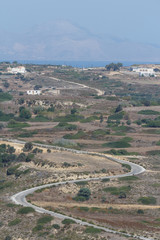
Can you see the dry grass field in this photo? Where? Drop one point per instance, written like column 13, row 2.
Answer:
column 116, row 113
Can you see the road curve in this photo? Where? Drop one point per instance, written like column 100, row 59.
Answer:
column 20, row 198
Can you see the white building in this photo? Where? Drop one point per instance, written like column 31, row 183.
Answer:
column 145, row 72
column 33, row 92
column 19, row 69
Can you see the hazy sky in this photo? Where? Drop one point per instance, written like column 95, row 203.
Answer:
column 136, row 20
column 123, row 21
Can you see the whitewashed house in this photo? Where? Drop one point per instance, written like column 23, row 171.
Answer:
column 144, row 72
column 33, row 92
column 19, row 69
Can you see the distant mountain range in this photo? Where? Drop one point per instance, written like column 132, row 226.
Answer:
column 63, row 40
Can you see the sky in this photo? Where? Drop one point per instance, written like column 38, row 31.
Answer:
column 122, row 20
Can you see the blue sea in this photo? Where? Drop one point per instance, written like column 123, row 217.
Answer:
column 79, row 64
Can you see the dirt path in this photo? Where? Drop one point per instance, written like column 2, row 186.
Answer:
column 99, row 92
column 104, row 205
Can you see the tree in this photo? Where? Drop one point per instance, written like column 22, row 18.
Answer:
column 37, row 87
column 101, row 118
column 113, row 66
column 128, row 122
column 85, row 193
column 11, row 149
column 73, row 110
column 146, row 102
column 21, row 101
column 119, row 108
column 21, row 157
column 25, row 114
column 28, row 147
column 6, row 84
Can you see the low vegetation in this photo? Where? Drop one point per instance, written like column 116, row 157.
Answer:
column 147, row 200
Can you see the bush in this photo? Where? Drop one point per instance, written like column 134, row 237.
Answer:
column 37, row 228
column 129, row 178
column 12, row 170
column 66, row 126
column 116, row 116
column 14, row 124
column 69, row 118
column 8, row 238
column 153, row 152
column 116, row 190
column 56, row 226
column 5, row 97
column 153, row 123
column 92, row 230
column 25, row 210
column 140, row 211
column 85, row 209
column 83, row 194
column 120, row 152
column 44, row 220
column 79, row 134
column 147, row 200
column 68, row 221
column 105, row 180
column 122, row 143
column 14, row 222
column 65, row 143
column 148, row 112
column 28, row 147
column 25, row 114
column 89, row 119
column 126, row 166
column 6, row 117
column 81, row 183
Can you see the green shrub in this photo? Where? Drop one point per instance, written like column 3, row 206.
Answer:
column 8, row 238
column 148, row 112
column 25, row 210
column 68, row 221
column 140, row 211
column 66, row 126
column 153, row 152
column 126, row 166
column 129, row 178
column 4, row 185
column 105, row 180
column 37, row 228
column 83, row 195
column 89, row 119
column 56, row 226
column 153, row 123
column 81, row 183
column 14, row 222
column 79, row 134
column 27, row 134
column 85, row 209
column 92, row 230
column 116, row 116
column 40, row 119
column 14, row 124
column 100, row 133
column 116, row 190
column 120, row 152
column 69, row 118
column 147, row 200
column 6, row 117
column 5, row 97
column 122, row 143
column 44, row 220
column 12, row 170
